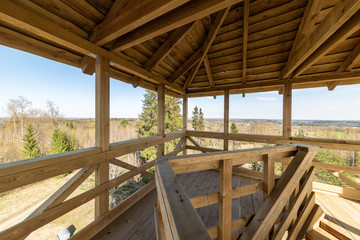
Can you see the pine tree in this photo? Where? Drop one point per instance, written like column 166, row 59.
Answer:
column 233, row 128
column 195, row 118
column 61, row 142
column 147, row 125
column 30, row 146
column 201, row 126
column 198, row 121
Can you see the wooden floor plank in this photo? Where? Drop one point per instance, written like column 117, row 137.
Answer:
column 138, row 221
column 342, row 212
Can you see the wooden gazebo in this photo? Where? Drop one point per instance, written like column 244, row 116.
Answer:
column 193, row 48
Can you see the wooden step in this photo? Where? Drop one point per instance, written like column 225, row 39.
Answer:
column 319, row 234
column 335, row 229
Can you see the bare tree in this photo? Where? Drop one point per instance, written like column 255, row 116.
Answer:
column 18, row 109
column 54, row 112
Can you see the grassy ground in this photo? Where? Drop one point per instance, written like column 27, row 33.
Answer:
column 26, row 199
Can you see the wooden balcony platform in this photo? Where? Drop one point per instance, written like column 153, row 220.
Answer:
column 342, row 216
column 138, row 221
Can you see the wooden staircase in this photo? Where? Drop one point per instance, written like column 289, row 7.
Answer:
column 327, row 230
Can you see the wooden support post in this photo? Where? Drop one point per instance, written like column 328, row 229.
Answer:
column 161, row 118
column 225, row 199
column 102, row 138
column 226, row 118
column 269, row 174
column 287, row 110
column 185, row 117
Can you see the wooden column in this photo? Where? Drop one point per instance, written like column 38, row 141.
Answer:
column 102, row 66
column 287, row 110
column 269, row 174
column 185, row 117
column 225, row 199
column 226, row 118
column 161, row 118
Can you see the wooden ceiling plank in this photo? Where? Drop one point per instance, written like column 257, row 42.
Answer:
column 340, row 13
column 176, row 36
column 245, row 40
column 348, row 29
column 208, row 71
column 193, row 10
column 30, row 21
column 350, row 61
column 132, row 15
column 215, row 27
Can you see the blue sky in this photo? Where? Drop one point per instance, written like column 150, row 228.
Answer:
column 39, row 80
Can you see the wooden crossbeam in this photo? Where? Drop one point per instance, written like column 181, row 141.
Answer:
column 128, row 166
column 340, row 13
column 41, row 26
column 131, row 16
column 323, row 78
column 215, row 27
column 63, row 192
column 346, row 179
column 189, row 12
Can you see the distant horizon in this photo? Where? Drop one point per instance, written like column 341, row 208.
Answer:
column 217, row 119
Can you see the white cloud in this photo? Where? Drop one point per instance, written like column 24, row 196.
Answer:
column 266, row 98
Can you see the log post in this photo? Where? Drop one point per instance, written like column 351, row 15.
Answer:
column 225, row 199
column 287, row 110
column 185, row 118
column 226, row 118
column 161, row 118
column 102, row 132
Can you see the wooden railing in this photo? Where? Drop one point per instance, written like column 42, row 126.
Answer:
column 21, row 173
column 337, row 170
column 273, row 218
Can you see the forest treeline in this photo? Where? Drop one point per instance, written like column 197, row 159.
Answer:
column 30, row 132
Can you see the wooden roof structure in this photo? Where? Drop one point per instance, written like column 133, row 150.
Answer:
column 197, row 47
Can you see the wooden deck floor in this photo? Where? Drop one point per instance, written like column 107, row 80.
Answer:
column 343, row 214
column 138, row 221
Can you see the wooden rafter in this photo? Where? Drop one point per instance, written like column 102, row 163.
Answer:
column 41, row 26
column 245, row 39
column 215, row 27
column 307, row 45
column 175, row 37
column 348, row 29
column 130, row 16
column 180, row 16
column 353, row 58
column 188, row 64
column 208, row 71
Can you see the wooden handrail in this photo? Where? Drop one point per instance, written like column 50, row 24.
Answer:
column 340, row 144
column 21, row 173
column 180, row 218
column 272, row 207
column 22, row 229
